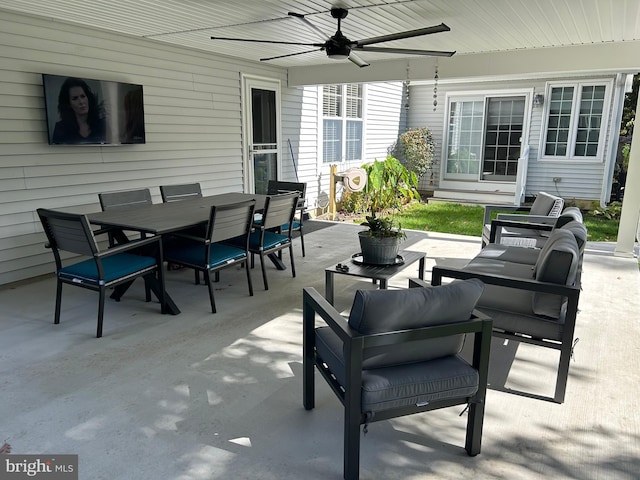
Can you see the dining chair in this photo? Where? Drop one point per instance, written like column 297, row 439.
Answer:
column 265, row 239
column 276, row 187
column 208, row 254
column 120, row 200
column 102, row 269
column 175, row 193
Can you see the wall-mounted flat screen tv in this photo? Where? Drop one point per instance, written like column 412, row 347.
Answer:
column 82, row 111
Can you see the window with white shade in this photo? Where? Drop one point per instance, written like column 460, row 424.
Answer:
column 575, row 121
column 342, row 119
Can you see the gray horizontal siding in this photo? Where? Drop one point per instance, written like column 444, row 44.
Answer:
column 192, row 117
column 581, row 180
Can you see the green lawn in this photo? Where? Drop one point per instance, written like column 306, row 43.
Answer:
column 467, row 220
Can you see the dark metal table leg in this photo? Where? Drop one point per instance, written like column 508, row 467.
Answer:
column 328, row 286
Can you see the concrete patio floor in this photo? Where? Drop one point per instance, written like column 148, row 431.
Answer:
column 202, row 396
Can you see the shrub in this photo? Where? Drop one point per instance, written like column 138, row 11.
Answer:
column 415, row 149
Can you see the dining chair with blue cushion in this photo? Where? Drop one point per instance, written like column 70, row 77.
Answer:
column 177, row 193
column 265, row 239
column 208, row 254
column 100, row 270
column 277, row 187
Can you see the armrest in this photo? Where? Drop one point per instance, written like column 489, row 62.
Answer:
column 312, row 303
column 496, row 227
column 489, row 209
column 570, row 291
column 528, row 218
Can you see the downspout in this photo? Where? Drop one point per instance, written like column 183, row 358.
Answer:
column 628, row 228
column 623, row 84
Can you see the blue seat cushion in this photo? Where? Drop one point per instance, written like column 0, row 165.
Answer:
column 194, row 254
column 114, row 267
column 401, row 385
column 271, row 240
column 296, row 225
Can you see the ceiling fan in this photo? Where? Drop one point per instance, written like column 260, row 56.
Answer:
column 339, row 47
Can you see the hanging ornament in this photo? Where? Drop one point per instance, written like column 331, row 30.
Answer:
column 406, row 89
column 435, row 89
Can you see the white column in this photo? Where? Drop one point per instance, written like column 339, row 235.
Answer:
column 631, row 201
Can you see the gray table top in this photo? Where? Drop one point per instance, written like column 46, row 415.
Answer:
column 377, row 272
column 161, row 218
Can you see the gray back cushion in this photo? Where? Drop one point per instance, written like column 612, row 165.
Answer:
column 569, row 214
column 557, row 263
column 379, row 311
column 579, row 231
column 546, row 204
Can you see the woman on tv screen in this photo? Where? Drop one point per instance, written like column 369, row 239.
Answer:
column 82, row 117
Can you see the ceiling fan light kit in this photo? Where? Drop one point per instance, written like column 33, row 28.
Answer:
column 339, row 47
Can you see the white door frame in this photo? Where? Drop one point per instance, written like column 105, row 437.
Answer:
column 248, row 82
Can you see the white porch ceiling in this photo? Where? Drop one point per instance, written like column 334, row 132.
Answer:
column 492, row 38
column 477, row 27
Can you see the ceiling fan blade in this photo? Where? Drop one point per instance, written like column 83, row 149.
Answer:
column 399, row 36
column 289, row 55
column 301, row 17
column 357, row 60
column 406, row 51
column 267, row 41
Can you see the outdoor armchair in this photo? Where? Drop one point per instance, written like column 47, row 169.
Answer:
column 534, row 235
column 101, row 270
column 544, row 210
column 209, row 254
column 397, row 354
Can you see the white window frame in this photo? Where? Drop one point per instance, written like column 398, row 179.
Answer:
column 344, row 119
column 481, row 95
column 573, row 125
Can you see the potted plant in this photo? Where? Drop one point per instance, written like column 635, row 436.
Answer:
column 389, row 184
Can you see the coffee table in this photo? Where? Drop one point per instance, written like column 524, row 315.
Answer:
column 377, row 273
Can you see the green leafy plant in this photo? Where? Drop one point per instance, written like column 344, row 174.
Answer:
column 383, row 227
column 626, row 151
column 389, row 186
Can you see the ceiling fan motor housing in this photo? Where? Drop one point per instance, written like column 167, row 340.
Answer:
column 338, row 47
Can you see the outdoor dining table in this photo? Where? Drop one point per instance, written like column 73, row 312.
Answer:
column 166, row 218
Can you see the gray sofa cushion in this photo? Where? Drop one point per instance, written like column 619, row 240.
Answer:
column 401, row 385
column 508, row 253
column 569, row 214
column 417, row 383
column 546, row 204
column 377, row 311
column 579, row 232
column 558, row 262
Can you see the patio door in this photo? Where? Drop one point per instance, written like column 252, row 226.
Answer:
column 261, row 102
column 484, row 138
